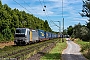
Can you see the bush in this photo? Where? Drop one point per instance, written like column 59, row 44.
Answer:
column 85, row 48
column 7, row 33
column 1, row 37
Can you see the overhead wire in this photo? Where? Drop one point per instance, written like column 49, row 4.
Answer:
column 21, row 5
column 36, row 12
column 24, row 7
column 48, row 16
column 30, row 6
column 62, row 8
column 44, row 2
column 41, row 3
column 46, row 11
column 43, row 8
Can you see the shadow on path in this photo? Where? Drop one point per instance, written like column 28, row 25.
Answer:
column 72, row 57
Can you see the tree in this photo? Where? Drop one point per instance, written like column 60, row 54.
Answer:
column 84, row 33
column 76, row 31
column 81, row 31
column 88, row 25
column 0, row 4
column 46, row 26
column 65, row 32
column 86, row 9
column 70, row 30
column 7, row 33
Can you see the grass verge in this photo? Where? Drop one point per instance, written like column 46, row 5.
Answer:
column 85, row 48
column 55, row 53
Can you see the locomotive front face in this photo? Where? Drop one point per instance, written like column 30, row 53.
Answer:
column 20, row 36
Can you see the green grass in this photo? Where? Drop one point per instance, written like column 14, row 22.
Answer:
column 85, row 48
column 10, row 49
column 55, row 53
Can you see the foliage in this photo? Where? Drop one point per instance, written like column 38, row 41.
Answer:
column 76, row 31
column 84, row 33
column 86, row 9
column 79, row 31
column 7, row 33
column 12, row 19
column 46, row 25
column 70, row 30
column 85, row 48
column 64, row 32
column 88, row 24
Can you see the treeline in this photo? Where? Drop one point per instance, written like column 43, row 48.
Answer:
column 79, row 31
column 10, row 19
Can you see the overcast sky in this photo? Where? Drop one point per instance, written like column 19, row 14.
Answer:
column 53, row 10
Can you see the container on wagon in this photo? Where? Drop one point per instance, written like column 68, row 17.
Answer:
column 41, row 35
column 46, row 35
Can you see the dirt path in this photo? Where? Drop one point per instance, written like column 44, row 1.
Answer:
column 2, row 45
column 72, row 52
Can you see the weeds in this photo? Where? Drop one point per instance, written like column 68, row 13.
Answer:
column 85, row 48
column 55, row 53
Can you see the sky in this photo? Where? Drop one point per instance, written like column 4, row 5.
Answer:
column 53, row 11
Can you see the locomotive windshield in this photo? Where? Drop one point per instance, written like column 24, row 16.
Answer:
column 20, row 30
column 19, row 35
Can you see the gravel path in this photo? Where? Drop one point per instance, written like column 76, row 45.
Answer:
column 72, row 52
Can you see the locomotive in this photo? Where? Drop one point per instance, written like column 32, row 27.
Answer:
column 27, row 36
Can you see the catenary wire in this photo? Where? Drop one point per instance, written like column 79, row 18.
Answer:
column 21, row 5
column 48, row 16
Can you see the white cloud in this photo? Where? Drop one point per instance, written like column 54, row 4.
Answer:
column 81, row 19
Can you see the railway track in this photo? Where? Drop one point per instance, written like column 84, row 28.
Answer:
column 26, row 51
